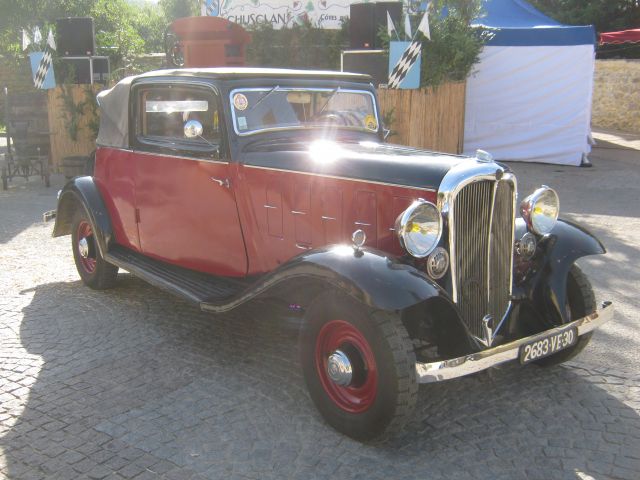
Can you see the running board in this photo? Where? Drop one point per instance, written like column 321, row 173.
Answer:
column 196, row 287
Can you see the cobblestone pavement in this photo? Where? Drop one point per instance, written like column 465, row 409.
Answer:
column 134, row 383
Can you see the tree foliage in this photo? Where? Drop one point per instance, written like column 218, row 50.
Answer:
column 606, row 15
column 122, row 27
column 179, row 8
column 455, row 46
column 301, row 46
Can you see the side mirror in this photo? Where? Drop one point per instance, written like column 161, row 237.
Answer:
column 193, row 129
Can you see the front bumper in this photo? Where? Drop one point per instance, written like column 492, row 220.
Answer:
column 476, row 362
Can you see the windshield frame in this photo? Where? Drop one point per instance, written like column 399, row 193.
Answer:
column 301, row 127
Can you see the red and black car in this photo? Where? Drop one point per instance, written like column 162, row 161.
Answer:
column 229, row 185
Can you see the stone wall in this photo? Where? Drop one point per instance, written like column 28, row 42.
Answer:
column 616, row 95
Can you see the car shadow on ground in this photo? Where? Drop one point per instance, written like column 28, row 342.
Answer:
column 134, row 380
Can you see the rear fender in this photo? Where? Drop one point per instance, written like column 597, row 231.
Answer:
column 82, row 192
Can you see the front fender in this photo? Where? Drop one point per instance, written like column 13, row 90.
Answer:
column 559, row 250
column 370, row 276
column 373, row 278
column 82, row 192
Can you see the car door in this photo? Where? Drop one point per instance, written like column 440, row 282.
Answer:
column 186, row 206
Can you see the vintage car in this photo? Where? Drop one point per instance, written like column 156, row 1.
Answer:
column 224, row 186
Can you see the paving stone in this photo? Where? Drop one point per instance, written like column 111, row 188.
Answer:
column 134, row 383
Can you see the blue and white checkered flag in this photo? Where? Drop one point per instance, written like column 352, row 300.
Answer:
column 42, row 69
column 408, row 58
column 211, row 8
column 411, row 54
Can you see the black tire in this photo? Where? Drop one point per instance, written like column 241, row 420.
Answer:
column 581, row 301
column 388, row 408
column 94, row 271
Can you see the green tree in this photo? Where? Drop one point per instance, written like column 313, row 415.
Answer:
column 122, row 27
column 301, row 46
column 179, row 8
column 455, row 46
column 606, row 15
column 150, row 22
column 114, row 25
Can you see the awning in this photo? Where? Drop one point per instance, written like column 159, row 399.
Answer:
column 625, row 36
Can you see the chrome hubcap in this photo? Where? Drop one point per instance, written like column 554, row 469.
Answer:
column 83, row 248
column 339, row 368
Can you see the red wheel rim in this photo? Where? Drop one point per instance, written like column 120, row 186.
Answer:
column 340, row 335
column 85, row 246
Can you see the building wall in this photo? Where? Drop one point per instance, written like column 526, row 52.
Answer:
column 616, row 95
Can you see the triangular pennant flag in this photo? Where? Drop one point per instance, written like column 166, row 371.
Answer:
column 390, row 26
column 26, row 41
column 50, row 41
column 37, row 36
column 407, row 27
column 424, row 23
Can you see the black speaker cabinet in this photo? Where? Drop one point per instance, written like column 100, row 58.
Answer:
column 82, row 70
column 371, row 62
column 366, row 19
column 76, row 36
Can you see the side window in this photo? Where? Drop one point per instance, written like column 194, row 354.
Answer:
column 163, row 111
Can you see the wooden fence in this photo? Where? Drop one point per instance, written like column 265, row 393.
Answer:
column 60, row 120
column 432, row 119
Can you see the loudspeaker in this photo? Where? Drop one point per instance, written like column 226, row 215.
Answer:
column 76, row 36
column 366, row 19
column 370, row 62
column 83, row 70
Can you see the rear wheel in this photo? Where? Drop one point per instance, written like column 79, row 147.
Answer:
column 581, row 301
column 94, row 271
column 359, row 367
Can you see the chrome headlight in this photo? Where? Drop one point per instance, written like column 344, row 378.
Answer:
column 419, row 228
column 540, row 210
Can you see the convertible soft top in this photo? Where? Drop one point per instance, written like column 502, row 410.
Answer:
column 114, row 103
column 114, row 115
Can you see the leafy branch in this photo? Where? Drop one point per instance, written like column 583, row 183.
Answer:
column 73, row 112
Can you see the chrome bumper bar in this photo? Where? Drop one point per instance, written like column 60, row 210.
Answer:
column 476, row 362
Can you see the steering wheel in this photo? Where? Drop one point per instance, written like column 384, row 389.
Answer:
column 331, row 117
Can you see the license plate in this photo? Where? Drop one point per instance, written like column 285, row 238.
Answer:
column 548, row 345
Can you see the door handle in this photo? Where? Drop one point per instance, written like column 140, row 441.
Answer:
column 222, row 183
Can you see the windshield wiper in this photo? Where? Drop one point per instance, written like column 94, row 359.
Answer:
column 331, row 95
column 274, row 89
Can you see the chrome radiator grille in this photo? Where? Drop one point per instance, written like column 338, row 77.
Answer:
column 482, row 240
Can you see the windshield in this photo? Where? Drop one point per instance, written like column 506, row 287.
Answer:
column 269, row 108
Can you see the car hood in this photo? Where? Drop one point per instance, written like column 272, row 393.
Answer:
column 372, row 161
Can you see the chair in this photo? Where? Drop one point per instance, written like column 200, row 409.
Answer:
column 26, row 154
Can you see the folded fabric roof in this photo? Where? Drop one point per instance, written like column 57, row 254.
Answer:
column 517, row 23
column 624, row 36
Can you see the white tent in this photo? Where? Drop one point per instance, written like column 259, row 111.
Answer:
column 530, row 96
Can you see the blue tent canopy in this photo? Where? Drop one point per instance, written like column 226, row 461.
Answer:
column 517, row 23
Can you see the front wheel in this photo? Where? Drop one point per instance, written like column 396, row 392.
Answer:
column 359, row 367
column 581, row 301
column 94, row 271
